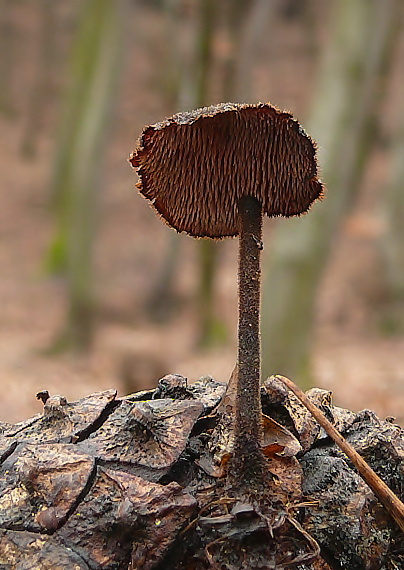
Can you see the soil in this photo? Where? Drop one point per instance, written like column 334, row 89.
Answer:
column 351, row 357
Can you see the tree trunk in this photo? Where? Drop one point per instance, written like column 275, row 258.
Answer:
column 39, row 91
column 95, row 66
column 342, row 123
column 257, row 22
column 392, row 242
column 162, row 301
column 7, row 60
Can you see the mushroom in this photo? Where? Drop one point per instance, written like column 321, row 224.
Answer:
column 213, row 172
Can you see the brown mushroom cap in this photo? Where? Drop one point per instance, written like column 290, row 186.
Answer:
column 194, row 167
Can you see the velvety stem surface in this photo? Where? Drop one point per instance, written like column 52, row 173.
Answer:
column 247, row 457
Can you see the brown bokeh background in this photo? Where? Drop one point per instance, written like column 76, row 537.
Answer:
column 352, row 355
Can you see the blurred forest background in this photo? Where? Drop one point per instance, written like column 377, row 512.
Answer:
column 96, row 293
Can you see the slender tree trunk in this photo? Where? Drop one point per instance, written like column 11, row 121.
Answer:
column 96, row 56
column 392, row 243
column 187, row 87
column 394, row 250
column 38, row 96
column 208, row 251
column 235, row 13
column 162, row 300
column 342, row 122
column 179, row 89
column 255, row 23
column 7, row 59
